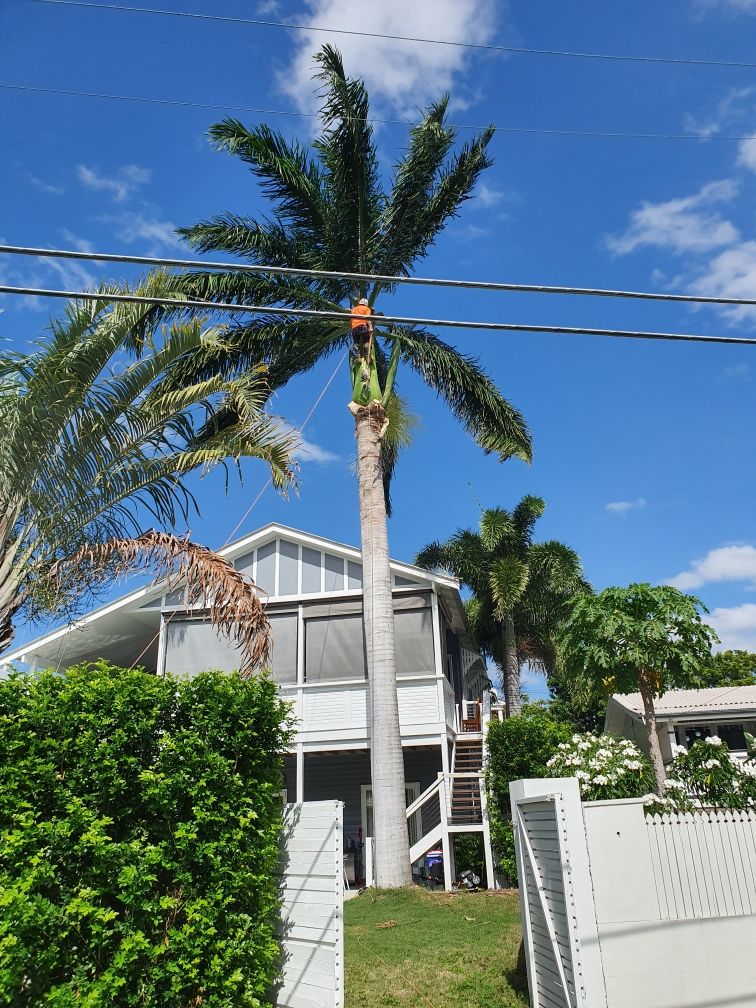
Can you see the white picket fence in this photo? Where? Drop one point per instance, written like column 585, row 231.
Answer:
column 312, row 888
column 622, row 910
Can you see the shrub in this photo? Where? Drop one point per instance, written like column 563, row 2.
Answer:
column 605, row 767
column 706, row 775
column 518, row 748
column 139, row 829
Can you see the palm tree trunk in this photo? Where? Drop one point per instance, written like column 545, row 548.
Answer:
column 654, row 746
column 511, row 669
column 392, row 864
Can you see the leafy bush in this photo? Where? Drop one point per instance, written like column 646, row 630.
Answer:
column 518, row 748
column 706, row 775
column 605, row 767
column 139, row 827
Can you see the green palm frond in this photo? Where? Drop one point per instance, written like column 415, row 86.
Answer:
column 497, row 529
column 93, row 442
column 468, row 392
column 508, row 577
column 526, row 514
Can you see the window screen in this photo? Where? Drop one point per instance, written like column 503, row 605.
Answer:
column 283, row 659
column 265, row 576
column 288, row 564
column 335, row 648
column 733, row 735
column 354, row 574
column 310, row 570
column 413, row 641
column 334, row 573
column 193, row 646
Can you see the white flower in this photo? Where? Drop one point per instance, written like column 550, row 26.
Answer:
column 600, row 779
column 604, row 753
column 633, row 764
column 674, row 785
column 563, row 746
column 678, row 750
column 711, row 763
column 651, row 799
column 552, row 761
column 713, row 740
column 582, row 775
column 576, row 738
column 584, row 745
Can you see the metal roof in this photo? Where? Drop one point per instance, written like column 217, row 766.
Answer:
column 719, row 700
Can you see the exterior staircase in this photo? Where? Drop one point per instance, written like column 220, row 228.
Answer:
column 466, row 807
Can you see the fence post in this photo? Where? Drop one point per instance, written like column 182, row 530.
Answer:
column 369, row 862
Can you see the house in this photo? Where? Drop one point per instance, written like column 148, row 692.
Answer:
column 684, row 716
column 314, row 589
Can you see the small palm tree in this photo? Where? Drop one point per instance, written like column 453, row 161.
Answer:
column 331, row 212
column 92, row 444
column 520, row 588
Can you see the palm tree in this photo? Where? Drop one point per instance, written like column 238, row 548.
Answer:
column 92, row 445
column 521, row 589
column 331, row 212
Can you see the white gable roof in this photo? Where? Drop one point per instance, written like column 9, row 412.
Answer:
column 136, row 616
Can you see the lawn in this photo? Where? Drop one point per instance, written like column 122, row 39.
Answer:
column 410, row 948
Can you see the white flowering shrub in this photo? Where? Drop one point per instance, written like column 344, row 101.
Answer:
column 605, row 767
column 706, row 776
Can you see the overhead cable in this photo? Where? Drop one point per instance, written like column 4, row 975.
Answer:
column 378, row 320
column 372, row 277
column 252, row 110
column 515, row 50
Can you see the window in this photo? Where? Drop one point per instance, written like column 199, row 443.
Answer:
column 413, row 638
column 335, row 647
column 288, row 567
column 193, row 646
column 283, row 658
column 310, row 570
column 414, row 823
column 265, row 575
column 688, row 734
column 733, row 735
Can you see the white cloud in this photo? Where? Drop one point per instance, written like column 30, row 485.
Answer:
column 404, row 75
column 143, row 226
column 622, row 507
column 46, row 187
column 685, row 224
column 267, row 7
column 747, row 154
column 741, row 6
column 728, row 109
column 308, row 451
column 127, row 180
column 736, row 562
column 736, row 626
column 731, row 273
column 487, row 197
column 80, row 244
column 738, row 372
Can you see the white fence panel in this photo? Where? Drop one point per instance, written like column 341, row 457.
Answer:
column 704, row 863
column 312, row 889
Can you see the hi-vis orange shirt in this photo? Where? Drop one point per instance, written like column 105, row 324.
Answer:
column 358, row 314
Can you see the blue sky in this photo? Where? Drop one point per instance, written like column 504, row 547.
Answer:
column 643, row 451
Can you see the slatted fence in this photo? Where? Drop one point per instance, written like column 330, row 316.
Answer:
column 704, row 863
column 312, row 888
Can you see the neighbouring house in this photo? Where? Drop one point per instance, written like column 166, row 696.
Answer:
column 314, row 590
column 685, row 716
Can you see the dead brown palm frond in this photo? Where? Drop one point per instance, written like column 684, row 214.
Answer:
column 228, row 598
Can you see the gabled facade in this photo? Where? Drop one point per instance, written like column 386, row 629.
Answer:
column 314, row 591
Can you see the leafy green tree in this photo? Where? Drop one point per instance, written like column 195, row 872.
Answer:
column 643, row 638
column 92, row 445
column 520, row 588
column 331, row 211
column 728, row 668
column 518, row 748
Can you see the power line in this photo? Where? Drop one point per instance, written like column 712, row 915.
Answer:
column 508, row 130
column 381, row 320
column 374, row 277
column 515, row 50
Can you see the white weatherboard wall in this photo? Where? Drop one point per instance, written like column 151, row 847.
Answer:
column 645, row 912
column 312, row 925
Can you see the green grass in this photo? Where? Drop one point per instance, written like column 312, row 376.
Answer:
column 410, row 948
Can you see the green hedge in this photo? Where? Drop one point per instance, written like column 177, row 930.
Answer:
column 139, row 830
column 518, row 748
